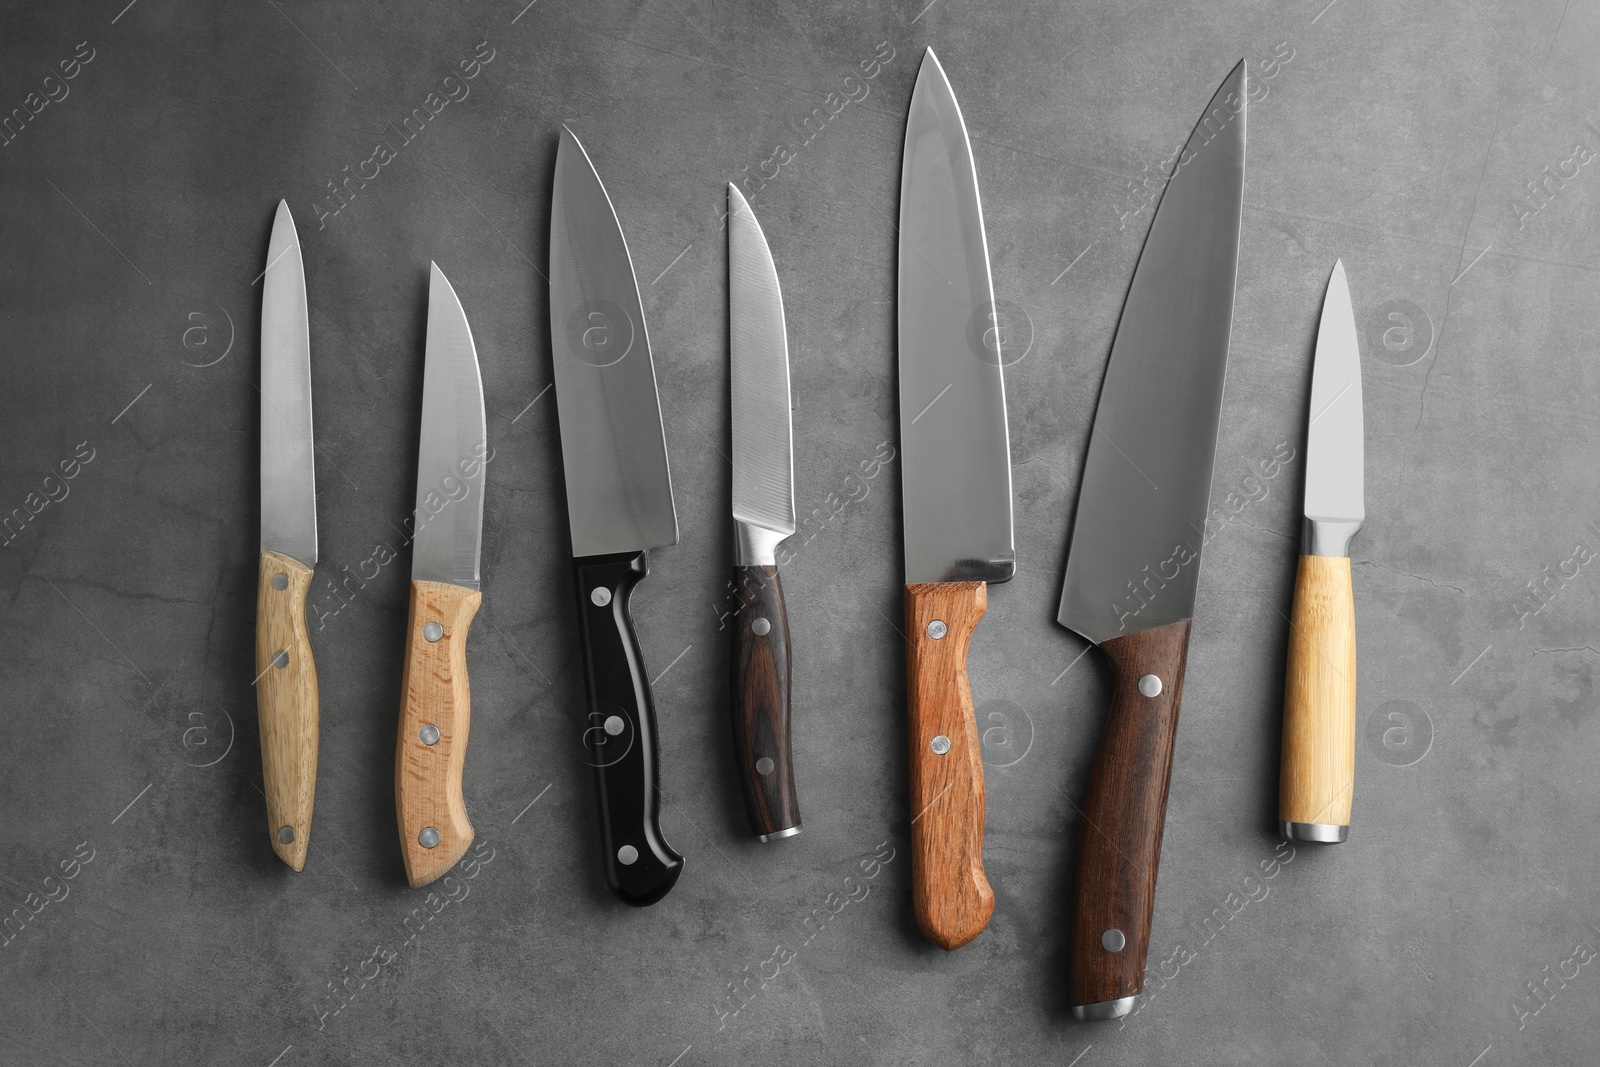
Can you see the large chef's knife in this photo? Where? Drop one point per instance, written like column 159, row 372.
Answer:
column 447, row 544
column 286, row 674
column 763, row 515
column 1319, row 700
column 1135, row 557
column 619, row 505
column 956, row 484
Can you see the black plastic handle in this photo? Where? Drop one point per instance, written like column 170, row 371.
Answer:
column 760, row 687
column 620, row 732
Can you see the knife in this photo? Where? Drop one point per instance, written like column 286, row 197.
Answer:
column 1319, row 699
column 619, row 506
column 956, row 489
column 1134, row 560
column 286, row 672
column 763, row 515
column 446, row 547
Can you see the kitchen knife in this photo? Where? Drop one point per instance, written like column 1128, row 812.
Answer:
column 619, row 505
column 1319, row 699
column 956, row 488
column 286, row 672
column 763, row 515
column 1134, row 560
column 446, row 546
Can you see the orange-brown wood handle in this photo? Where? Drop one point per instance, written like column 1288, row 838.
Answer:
column 950, row 893
column 435, row 711
column 1317, row 783
column 286, row 704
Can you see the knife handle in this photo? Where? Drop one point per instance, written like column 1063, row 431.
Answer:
column 286, row 704
column 1123, row 816
column 435, row 713
column 760, row 688
column 950, row 893
column 1319, row 704
column 620, row 732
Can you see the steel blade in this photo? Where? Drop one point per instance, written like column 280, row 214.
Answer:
column 955, row 453
column 1334, row 452
column 288, row 467
column 613, row 449
column 1134, row 562
column 448, row 531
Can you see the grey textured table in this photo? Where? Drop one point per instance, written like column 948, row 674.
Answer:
column 1443, row 150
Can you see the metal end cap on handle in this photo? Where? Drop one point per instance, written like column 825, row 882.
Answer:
column 1105, row 1009
column 1314, row 833
column 793, row 831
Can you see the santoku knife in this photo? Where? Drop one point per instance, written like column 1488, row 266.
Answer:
column 956, row 488
column 286, row 674
column 1319, row 701
column 763, row 515
column 619, row 505
column 1134, row 561
column 447, row 544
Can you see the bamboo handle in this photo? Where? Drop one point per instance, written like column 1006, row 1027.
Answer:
column 435, row 711
column 286, row 704
column 1319, row 704
column 950, row 893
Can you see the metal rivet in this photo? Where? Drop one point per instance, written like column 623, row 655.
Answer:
column 429, row 837
column 601, row 596
column 432, row 631
column 937, row 629
column 280, row 581
column 614, row 725
column 286, row 835
column 764, row 765
column 940, row 745
column 280, row 659
column 429, row 734
column 761, row 627
column 1112, row 940
column 627, row 855
column 1150, row 685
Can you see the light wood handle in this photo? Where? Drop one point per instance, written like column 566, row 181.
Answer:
column 286, row 704
column 436, row 707
column 1319, row 697
column 950, row 893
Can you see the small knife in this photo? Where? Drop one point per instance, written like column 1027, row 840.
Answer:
column 1134, row 562
column 763, row 515
column 619, row 506
column 956, row 489
column 446, row 547
column 286, row 673
column 1317, row 783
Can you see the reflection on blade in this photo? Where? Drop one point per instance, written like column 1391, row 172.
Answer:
column 763, row 454
column 288, row 469
column 1334, row 452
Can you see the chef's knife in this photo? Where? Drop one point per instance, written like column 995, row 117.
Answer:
column 286, row 673
column 763, row 515
column 447, row 544
column 1319, row 700
column 956, row 485
column 1135, row 557
column 619, row 505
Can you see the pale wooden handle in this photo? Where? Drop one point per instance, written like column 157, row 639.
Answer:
column 950, row 893
column 286, row 704
column 436, row 706
column 1319, row 698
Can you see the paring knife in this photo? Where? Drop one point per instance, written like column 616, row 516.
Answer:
column 447, row 544
column 1319, row 699
column 956, row 485
column 763, row 515
column 286, row 673
column 619, row 505
column 1134, row 562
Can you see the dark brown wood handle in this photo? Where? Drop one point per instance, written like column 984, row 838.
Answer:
column 950, row 893
column 1124, row 813
column 760, row 687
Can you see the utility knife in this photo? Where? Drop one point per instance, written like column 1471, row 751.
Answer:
column 763, row 515
column 1134, row 561
column 286, row 673
column 446, row 548
column 1319, row 700
column 956, row 491
column 619, row 506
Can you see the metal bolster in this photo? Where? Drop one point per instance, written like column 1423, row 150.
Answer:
column 1324, row 537
column 755, row 546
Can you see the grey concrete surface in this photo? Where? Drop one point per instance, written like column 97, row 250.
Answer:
column 1443, row 150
